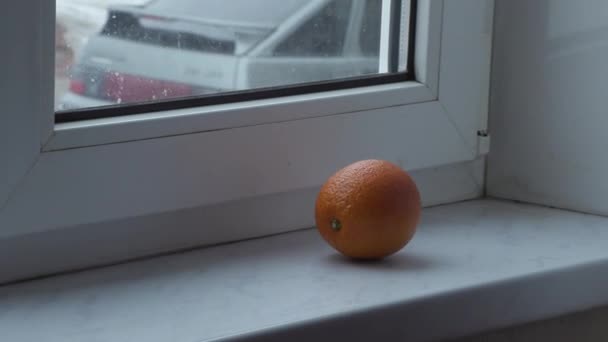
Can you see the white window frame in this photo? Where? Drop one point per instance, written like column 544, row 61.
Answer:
column 72, row 174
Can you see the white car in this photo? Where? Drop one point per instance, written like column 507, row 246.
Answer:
column 179, row 48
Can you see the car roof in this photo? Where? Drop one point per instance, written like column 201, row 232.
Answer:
column 265, row 13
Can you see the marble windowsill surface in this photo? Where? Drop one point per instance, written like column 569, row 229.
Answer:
column 472, row 266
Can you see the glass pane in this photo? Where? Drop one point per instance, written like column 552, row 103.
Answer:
column 133, row 51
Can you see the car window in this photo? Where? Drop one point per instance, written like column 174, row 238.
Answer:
column 242, row 12
column 369, row 36
column 322, row 35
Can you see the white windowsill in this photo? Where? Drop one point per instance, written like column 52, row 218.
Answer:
column 471, row 267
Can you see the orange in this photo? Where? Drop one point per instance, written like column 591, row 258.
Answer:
column 368, row 210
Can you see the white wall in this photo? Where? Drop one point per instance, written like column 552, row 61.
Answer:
column 549, row 110
column 549, row 127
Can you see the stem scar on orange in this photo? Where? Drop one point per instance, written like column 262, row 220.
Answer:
column 368, row 210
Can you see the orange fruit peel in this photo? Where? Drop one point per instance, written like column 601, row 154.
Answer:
column 368, row 210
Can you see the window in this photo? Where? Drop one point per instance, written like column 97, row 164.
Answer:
column 323, row 35
column 369, row 36
column 81, row 175
column 141, row 52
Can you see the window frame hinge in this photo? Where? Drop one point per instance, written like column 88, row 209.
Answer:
column 483, row 142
